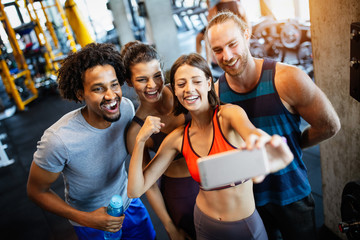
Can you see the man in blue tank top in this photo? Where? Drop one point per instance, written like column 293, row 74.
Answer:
column 275, row 96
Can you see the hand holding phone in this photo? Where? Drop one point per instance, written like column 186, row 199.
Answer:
column 233, row 166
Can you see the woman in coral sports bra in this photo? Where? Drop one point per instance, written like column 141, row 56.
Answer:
column 228, row 212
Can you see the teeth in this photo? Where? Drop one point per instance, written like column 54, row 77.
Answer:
column 191, row 98
column 151, row 93
column 110, row 105
column 231, row 63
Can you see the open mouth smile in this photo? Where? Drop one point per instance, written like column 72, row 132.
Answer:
column 231, row 64
column 111, row 106
column 152, row 94
column 191, row 99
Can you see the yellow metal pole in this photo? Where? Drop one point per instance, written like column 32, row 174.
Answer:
column 48, row 55
column 10, row 86
column 5, row 75
column 17, row 52
column 77, row 24
column 9, row 79
column 9, row 83
column 66, row 25
column 50, row 27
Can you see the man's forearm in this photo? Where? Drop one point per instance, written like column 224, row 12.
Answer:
column 51, row 202
column 311, row 136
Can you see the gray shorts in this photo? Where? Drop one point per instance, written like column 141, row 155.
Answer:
column 249, row 228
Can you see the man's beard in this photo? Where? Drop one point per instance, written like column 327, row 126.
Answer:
column 114, row 119
column 243, row 59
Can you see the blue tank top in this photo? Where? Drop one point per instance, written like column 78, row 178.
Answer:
column 266, row 111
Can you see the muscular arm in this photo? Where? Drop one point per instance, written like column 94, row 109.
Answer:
column 153, row 195
column 38, row 190
column 141, row 180
column 234, row 120
column 302, row 96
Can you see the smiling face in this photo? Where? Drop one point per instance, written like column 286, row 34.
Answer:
column 147, row 80
column 102, row 95
column 192, row 87
column 230, row 47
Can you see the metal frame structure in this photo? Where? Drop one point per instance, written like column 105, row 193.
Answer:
column 55, row 3
column 7, row 77
column 11, row 78
column 51, row 63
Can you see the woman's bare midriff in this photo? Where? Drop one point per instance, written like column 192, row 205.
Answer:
column 230, row 204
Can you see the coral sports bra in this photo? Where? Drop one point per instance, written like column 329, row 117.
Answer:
column 219, row 144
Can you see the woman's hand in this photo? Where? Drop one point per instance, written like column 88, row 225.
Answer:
column 176, row 234
column 137, row 184
column 151, row 125
column 278, row 152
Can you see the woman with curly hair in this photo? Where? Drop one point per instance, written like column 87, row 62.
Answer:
column 87, row 146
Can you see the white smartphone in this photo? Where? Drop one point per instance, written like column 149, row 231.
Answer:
column 233, row 166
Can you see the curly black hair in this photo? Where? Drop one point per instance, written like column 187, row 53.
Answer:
column 71, row 74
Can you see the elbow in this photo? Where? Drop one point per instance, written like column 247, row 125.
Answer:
column 133, row 194
column 334, row 127
column 33, row 194
column 29, row 195
column 29, row 192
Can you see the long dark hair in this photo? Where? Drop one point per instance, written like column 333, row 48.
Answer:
column 194, row 60
column 135, row 52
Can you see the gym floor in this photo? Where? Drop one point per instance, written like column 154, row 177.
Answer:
column 22, row 219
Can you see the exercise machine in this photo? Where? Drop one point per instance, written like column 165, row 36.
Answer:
column 350, row 211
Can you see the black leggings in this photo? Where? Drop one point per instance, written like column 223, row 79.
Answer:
column 250, row 228
column 180, row 195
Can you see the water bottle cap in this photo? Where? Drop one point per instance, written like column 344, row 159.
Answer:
column 116, row 201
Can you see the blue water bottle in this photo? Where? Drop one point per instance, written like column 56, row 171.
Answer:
column 115, row 209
